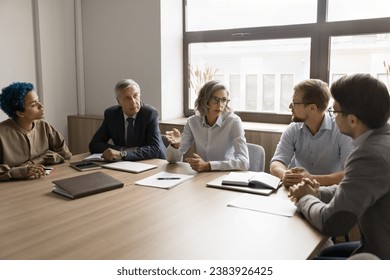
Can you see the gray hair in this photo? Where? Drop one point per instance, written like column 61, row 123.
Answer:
column 125, row 83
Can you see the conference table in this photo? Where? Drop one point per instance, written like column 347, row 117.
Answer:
column 188, row 222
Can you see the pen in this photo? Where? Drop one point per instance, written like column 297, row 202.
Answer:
column 168, row 178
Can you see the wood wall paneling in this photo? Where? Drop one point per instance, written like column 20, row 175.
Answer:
column 82, row 128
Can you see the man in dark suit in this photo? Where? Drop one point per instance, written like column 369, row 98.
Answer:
column 132, row 126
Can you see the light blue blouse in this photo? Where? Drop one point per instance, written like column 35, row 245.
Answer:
column 223, row 144
column 323, row 153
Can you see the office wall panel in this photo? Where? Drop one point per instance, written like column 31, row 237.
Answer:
column 17, row 51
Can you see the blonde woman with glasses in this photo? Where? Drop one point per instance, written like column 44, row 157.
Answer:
column 215, row 130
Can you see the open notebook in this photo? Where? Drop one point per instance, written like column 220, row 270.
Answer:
column 223, row 181
column 129, row 166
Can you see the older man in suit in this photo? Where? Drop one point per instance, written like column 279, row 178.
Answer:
column 132, row 126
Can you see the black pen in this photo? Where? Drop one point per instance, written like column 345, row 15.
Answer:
column 168, row 178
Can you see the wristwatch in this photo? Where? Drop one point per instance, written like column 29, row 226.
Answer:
column 123, row 155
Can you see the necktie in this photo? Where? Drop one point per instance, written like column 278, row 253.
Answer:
column 130, row 132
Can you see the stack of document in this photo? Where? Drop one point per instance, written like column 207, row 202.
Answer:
column 164, row 180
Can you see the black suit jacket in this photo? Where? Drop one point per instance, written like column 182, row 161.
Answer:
column 146, row 133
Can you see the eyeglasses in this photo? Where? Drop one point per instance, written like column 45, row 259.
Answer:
column 216, row 100
column 332, row 111
column 293, row 103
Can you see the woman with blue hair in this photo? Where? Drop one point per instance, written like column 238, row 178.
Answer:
column 26, row 140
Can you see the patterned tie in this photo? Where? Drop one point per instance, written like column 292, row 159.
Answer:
column 130, row 132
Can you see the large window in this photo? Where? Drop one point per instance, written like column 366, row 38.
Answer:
column 261, row 49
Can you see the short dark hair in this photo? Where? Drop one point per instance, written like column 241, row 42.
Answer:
column 314, row 91
column 12, row 98
column 205, row 93
column 363, row 96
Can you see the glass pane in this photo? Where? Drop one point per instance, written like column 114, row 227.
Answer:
column 340, row 10
column 359, row 54
column 260, row 74
column 287, row 83
column 268, row 92
column 251, row 92
column 221, row 14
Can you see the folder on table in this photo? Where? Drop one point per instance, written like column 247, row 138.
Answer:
column 84, row 185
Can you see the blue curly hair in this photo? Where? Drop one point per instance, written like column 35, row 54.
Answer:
column 12, row 98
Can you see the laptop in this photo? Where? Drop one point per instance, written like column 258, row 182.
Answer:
column 129, row 166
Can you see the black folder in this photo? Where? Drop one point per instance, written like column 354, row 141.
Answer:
column 84, row 185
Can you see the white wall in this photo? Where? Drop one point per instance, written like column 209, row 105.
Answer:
column 57, row 61
column 139, row 39
column 17, row 51
column 37, row 45
column 126, row 39
column 171, row 59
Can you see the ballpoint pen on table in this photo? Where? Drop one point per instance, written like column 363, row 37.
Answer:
column 168, row 178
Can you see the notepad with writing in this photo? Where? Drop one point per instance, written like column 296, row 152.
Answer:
column 84, row 185
column 164, row 180
column 252, row 180
column 271, row 205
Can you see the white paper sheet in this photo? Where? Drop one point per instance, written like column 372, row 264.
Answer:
column 164, row 180
column 269, row 204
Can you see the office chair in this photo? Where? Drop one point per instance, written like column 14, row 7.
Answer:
column 256, row 157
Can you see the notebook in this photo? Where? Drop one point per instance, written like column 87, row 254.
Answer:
column 217, row 183
column 84, row 185
column 129, row 166
column 252, row 179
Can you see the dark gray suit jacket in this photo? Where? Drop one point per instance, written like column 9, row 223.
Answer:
column 363, row 196
column 146, row 133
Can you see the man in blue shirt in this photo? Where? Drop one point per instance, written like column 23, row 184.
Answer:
column 312, row 145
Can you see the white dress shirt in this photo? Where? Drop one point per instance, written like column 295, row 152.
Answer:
column 223, row 144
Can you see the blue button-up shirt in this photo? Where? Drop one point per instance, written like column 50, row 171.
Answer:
column 322, row 153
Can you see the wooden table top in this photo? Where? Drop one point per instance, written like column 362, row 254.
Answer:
column 189, row 221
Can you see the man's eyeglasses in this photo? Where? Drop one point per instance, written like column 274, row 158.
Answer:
column 293, row 103
column 332, row 111
column 216, row 100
